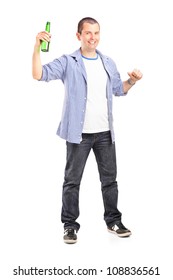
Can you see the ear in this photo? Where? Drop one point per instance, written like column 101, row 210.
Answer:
column 78, row 36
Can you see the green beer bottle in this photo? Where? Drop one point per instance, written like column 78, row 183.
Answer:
column 44, row 44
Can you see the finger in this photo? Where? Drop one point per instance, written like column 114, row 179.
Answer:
column 136, row 74
column 44, row 36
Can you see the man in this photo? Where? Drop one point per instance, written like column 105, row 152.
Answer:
column 90, row 80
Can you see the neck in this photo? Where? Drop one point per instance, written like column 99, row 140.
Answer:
column 91, row 54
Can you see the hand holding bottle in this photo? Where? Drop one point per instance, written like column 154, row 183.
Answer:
column 43, row 38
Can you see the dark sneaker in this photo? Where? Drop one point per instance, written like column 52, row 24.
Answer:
column 120, row 230
column 70, row 236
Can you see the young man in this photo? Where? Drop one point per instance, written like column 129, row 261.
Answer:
column 90, row 80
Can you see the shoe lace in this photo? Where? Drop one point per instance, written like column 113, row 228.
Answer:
column 69, row 230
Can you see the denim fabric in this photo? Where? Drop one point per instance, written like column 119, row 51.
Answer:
column 77, row 155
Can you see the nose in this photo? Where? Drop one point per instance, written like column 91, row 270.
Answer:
column 92, row 36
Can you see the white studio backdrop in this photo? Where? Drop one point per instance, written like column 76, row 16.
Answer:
column 136, row 34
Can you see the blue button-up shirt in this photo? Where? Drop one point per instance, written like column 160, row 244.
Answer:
column 71, row 70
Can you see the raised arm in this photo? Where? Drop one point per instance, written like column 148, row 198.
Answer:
column 36, row 60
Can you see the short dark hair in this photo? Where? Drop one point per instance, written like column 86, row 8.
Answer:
column 88, row 20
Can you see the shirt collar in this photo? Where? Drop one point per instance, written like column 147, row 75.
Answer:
column 77, row 55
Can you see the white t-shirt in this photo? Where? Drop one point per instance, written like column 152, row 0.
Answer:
column 96, row 115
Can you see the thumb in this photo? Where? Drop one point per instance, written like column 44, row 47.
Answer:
column 129, row 73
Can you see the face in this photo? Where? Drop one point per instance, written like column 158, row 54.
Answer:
column 89, row 37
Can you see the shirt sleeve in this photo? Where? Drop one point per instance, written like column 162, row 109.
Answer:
column 117, row 84
column 54, row 70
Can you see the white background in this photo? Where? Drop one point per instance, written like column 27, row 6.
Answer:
column 135, row 34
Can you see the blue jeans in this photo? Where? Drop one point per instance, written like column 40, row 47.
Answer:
column 77, row 155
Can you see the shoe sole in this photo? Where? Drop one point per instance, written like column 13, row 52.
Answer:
column 125, row 234
column 70, row 241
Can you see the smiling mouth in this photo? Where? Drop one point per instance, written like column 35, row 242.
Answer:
column 92, row 42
